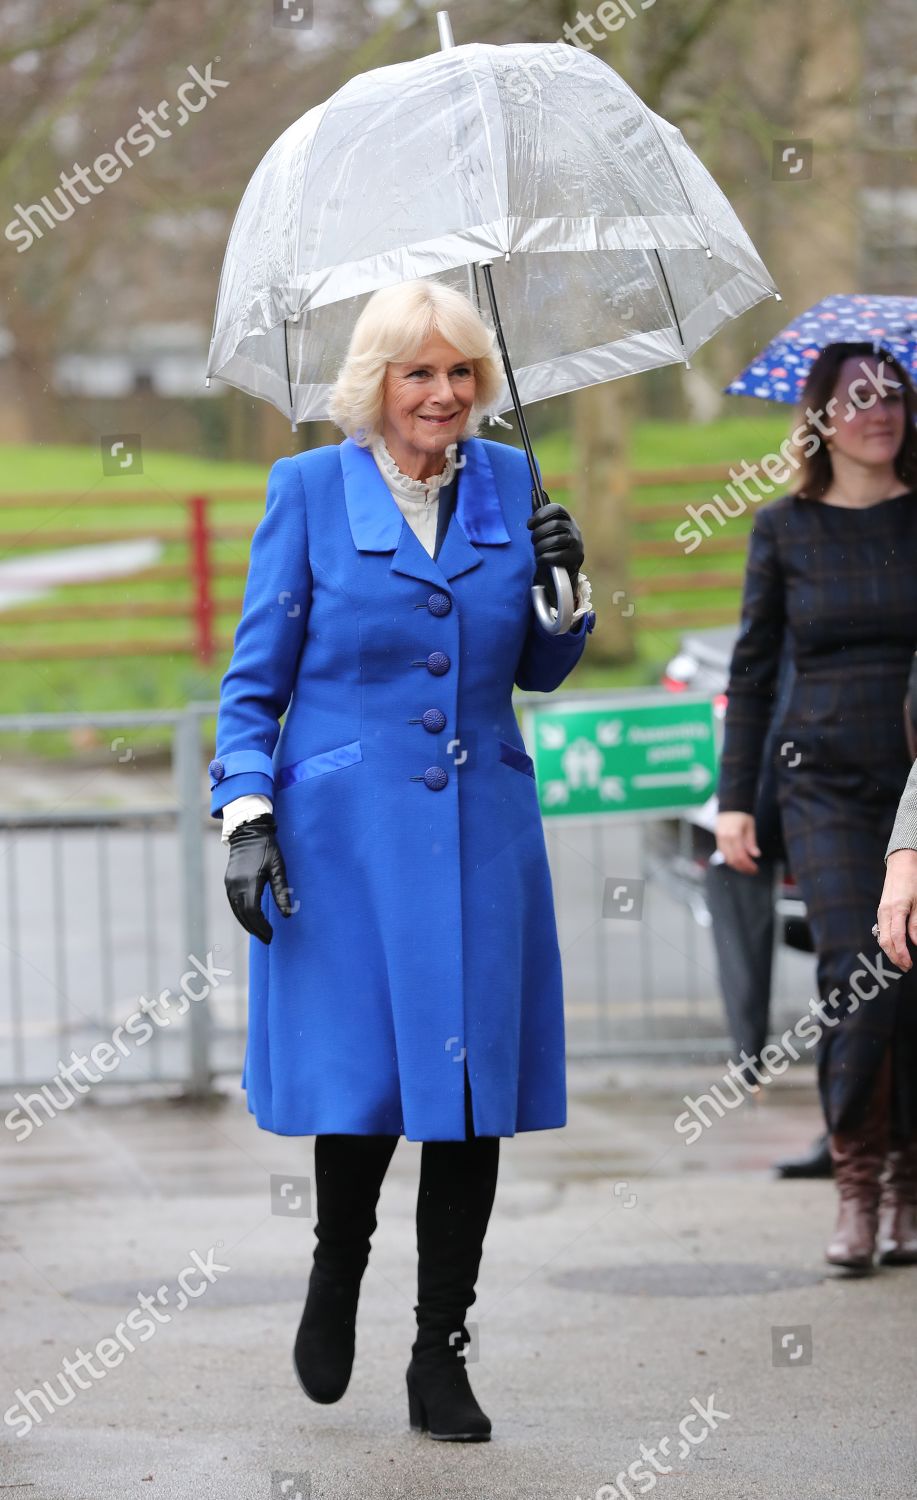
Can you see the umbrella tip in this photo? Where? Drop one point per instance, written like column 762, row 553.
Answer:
column 777, row 297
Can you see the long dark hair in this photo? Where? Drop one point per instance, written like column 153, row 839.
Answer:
column 815, row 471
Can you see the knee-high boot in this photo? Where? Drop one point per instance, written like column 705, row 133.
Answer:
column 458, row 1182
column 898, row 1206
column 349, row 1170
column 859, row 1153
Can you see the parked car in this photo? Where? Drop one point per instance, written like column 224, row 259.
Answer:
column 681, row 848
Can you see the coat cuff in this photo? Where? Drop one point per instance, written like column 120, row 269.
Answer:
column 239, row 773
column 246, row 784
column 237, row 762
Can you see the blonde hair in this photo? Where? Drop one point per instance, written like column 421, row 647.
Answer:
column 394, row 326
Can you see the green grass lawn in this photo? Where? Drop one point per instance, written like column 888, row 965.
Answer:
column 670, row 445
column 167, row 681
column 77, row 468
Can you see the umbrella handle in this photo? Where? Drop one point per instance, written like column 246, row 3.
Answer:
column 559, row 622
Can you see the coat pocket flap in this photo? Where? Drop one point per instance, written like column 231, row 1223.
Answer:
column 516, row 758
column 317, row 765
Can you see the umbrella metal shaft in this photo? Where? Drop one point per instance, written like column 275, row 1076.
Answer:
column 563, row 588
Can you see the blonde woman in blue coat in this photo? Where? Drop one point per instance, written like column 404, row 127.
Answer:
column 414, row 985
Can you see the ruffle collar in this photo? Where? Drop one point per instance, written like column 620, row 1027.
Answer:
column 423, row 490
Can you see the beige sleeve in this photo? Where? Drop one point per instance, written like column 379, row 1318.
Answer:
column 904, row 833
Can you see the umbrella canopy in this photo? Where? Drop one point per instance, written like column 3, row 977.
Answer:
column 780, row 372
column 613, row 249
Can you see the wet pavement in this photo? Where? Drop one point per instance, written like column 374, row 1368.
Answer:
column 634, row 1290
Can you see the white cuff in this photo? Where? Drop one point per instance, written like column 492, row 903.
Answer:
column 583, row 600
column 242, row 810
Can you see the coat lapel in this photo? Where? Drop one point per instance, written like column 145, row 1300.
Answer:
column 377, row 525
column 478, row 514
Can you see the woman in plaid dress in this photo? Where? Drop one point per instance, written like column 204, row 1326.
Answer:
column 835, row 563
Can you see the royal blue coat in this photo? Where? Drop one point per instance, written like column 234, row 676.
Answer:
column 423, row 935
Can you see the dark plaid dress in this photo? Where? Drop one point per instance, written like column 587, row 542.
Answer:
column 843, row 583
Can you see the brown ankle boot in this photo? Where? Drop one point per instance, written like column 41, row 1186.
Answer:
column 898, row 1207
column 859, row 1158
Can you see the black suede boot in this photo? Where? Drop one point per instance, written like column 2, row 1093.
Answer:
column 349, row 1170
column 440, row 1399
column 458, row 1181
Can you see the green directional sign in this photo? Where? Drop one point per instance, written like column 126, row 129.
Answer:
column 627, row 755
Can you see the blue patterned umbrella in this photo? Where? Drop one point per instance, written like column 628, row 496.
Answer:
column 779, row 373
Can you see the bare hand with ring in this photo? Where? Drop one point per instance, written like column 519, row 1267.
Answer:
column 898, row 907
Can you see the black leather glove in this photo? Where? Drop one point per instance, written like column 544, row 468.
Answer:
column 557, row 541
column 255, row 858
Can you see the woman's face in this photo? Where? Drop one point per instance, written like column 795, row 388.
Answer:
column 425, row 405
column 869, row 425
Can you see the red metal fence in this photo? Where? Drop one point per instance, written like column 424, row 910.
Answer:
column 184, row 589
column 200, row 587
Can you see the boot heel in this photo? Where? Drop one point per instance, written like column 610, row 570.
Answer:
column 447, row 1411
column 417, row 1416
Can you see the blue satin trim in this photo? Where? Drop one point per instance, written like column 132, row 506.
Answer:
column 375, row 520
column 478, row 507
column 317, row 765
column 516, row 758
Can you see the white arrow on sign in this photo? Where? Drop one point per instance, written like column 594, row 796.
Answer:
column 553, row 736
column 696, row 777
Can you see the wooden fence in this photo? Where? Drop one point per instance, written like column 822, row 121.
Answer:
column 191, row 601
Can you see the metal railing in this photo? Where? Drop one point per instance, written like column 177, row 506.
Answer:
column 106, row 900
column 104, row 904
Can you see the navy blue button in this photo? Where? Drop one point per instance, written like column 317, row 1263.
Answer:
column 433, row 720
column 438, row 663
column 216, row 770
column 435, row 778
column 439, row 604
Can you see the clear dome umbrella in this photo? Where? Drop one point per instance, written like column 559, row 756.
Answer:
column 589, row 235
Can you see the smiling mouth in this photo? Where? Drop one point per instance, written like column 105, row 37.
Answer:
column 440, row 421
